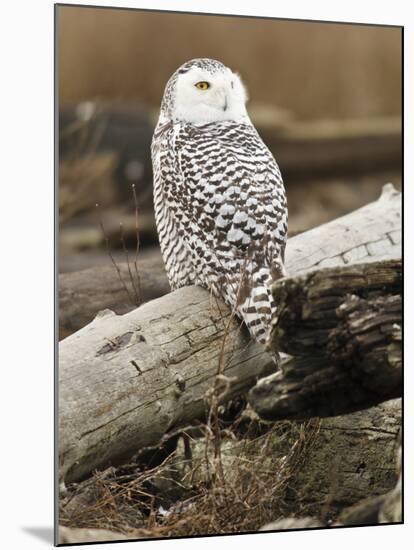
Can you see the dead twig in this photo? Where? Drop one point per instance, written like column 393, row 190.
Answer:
column 108, row 248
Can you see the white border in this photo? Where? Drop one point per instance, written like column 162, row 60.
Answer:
column 26, row 218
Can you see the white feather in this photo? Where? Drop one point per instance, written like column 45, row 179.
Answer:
column 225, row 99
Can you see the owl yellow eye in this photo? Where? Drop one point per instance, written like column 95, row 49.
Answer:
column 202, row 85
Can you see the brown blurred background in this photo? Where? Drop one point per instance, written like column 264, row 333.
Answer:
column 326, row 98
column 315, row 70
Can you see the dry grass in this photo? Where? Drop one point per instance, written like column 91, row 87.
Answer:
column 239, row 490
column 133, row 279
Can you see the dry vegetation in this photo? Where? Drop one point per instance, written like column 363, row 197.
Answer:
column 238, row 490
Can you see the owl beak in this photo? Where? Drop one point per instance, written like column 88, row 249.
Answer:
column 225, row 103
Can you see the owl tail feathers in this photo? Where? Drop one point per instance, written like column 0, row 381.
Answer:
column 257, row 312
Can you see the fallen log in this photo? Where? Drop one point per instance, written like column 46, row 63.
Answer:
column 125, row 381
column 354, row 471
column 308, row 304
column 370, row 233
column 82, row 294
column 69, row 535
column 348, row 349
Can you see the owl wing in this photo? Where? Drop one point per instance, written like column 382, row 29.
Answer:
column 168, row 184
column 231, row 190
column 225, row 193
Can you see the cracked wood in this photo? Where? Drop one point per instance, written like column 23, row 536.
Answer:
column 348, row 348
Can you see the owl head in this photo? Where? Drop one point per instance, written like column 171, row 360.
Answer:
column 203, row 91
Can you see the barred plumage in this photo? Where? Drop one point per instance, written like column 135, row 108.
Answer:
column 219, row 199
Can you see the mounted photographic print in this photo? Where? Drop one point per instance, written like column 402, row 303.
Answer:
column 229, row 274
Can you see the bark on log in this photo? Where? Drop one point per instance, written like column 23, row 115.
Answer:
column 353, row 457
column 386, row 508
column 308, row 304
column 127, row 380
column 350, row 348
column 368, row 341
column 317, row 386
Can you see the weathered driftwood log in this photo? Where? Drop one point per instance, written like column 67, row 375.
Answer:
column 308, row 304
column 127, row 380
column 350, row 347
column 367, row 341
column 385, row 508
column 82, row 294
column 70, row 535
column 289, row 524
column 370, row 233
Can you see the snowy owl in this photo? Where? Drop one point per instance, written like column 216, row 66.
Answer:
column 219, row 200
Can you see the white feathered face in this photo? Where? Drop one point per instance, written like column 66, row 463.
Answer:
column 202, row 96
